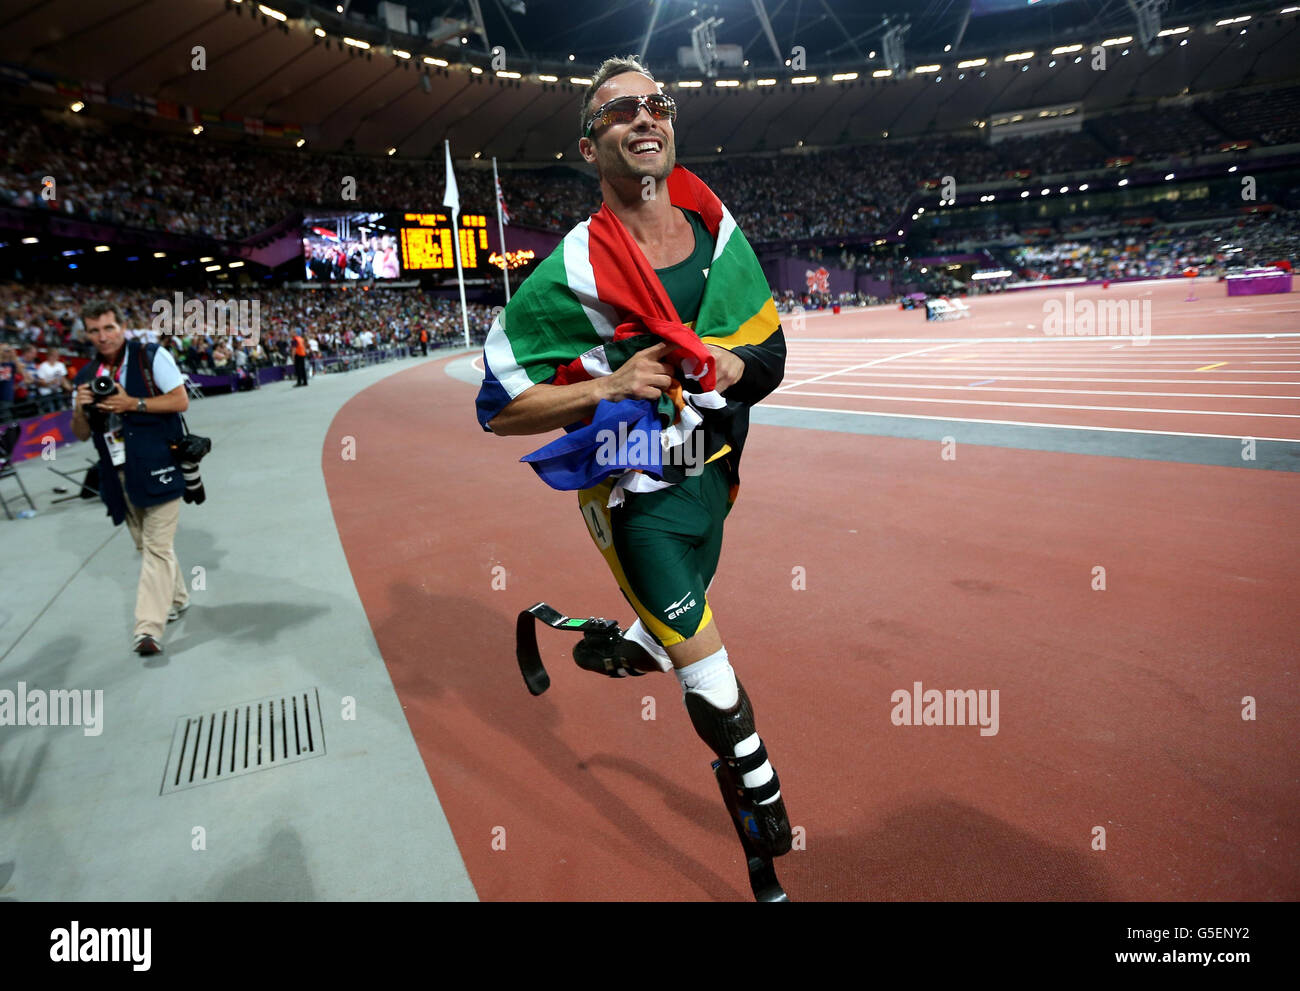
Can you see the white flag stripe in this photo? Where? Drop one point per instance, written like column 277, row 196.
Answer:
column 582, row 280
column 501, row 359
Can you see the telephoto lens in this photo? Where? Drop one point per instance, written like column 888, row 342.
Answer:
column 194, row 492
column 189, row 452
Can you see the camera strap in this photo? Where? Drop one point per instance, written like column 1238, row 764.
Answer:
column 149, row 352
column 146, row 355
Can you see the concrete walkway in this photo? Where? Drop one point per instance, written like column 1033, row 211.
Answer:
column 274, row 613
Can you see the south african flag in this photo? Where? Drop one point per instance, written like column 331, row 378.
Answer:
column 595, row 301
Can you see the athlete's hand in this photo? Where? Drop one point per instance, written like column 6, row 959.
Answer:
column 642, row 376
column 730, row 367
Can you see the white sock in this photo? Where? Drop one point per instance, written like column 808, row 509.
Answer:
column 639, row 635
column 713, row 678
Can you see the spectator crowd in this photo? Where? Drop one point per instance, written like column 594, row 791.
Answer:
column 41, row 334
column 233, row 190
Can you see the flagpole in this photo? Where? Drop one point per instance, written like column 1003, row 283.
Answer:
column 452, row 199
column 460, row 276
column 501, row 228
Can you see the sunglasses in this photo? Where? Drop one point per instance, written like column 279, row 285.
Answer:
column 624, row 110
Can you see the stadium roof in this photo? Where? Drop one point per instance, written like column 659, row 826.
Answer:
column 353, row 81
column 828, row 29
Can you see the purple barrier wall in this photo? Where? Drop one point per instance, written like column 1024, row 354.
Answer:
column 1259, row 281
column 32, row 442
column 272, row 373
column 972, row 258
column 793, row 273
column 542, row 243
column 880, row 288
column 1052, row 284
column 278, row 373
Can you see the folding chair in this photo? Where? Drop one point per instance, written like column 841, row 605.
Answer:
column 8, row 441
column 88, row 484
column 194, row 391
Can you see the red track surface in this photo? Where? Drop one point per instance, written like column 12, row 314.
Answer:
column 1118, row 708
column 1247, row 386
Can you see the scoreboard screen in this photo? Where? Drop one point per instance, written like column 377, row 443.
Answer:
column 426, row 242
column 395, row 244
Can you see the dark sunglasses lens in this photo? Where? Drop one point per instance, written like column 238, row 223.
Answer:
column 661, row 107
column 625, row 111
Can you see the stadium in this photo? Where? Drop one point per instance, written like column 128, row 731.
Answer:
column 1032, row 439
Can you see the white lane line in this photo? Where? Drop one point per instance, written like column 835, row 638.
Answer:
column 987, row 366
column 1077, row 392
column 1041, row 339
column 1024, row 423
column 1096, row 362
column 865, row 364
column 1049, row 378
column 1097, row 409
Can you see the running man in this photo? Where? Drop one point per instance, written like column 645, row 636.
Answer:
column 655, row 310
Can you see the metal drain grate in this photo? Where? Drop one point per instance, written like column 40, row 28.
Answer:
column 244, row 738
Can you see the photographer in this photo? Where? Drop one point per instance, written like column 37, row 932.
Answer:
column 133, row 424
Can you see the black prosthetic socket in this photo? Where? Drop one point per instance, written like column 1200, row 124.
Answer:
column 606, row 652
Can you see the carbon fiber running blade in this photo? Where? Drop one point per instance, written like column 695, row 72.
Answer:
column 763, row 882
column 526, row 653
column 546, row 614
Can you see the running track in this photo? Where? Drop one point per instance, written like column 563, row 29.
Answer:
column 1119, row 709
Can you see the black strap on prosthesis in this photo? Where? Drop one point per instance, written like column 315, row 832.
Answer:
column 762, row 875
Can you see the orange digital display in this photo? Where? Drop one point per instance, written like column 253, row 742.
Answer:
column 429, row 246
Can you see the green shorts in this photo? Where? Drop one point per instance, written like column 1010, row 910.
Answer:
column 663, row 547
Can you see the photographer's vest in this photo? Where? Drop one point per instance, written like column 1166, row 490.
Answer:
column 152, row 475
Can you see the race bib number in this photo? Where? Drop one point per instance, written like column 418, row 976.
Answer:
column 597, row 518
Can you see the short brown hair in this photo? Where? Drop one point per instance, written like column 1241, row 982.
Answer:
column 609, row 68
column 95, row 310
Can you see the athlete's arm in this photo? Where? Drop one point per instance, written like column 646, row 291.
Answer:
column 764, row 369
column 544, row 407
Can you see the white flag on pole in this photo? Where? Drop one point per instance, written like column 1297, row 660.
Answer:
column 452, row 196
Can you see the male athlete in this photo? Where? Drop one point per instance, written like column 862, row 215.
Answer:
column 658, row 274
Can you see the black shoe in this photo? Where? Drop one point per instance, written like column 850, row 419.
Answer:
column 147, row 646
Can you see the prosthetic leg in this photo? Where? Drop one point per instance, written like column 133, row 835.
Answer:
column 602, row 648
column 758, row 813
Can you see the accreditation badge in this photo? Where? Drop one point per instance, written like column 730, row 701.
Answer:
column 115, row 442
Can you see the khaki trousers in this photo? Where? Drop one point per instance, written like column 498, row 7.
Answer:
column 153, row 528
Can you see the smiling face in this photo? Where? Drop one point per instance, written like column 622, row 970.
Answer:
column 610, row 148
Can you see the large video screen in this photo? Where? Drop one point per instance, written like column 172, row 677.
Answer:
column 342, row 246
